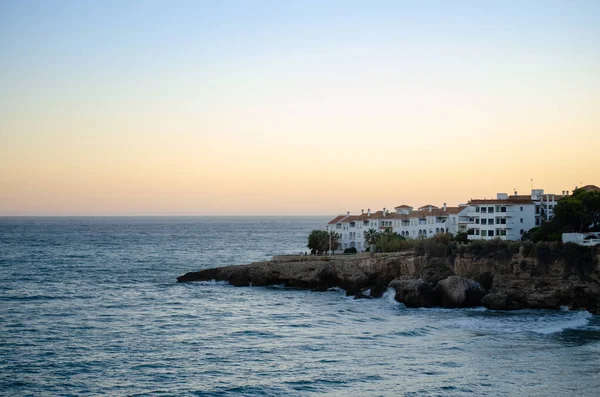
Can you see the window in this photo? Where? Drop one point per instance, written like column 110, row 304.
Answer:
column 491, row 221
column 490, row 233
column 501, row 221
column 477, row 232
column 522, row 231
column 484, row 233
column 476, row 209
column 502, row 209
column 477, row 221
column 491, row 210
column 484, row 221
column 484, row 209
column 521, row 220
column 521, row 208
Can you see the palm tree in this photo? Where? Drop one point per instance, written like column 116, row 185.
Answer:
column 334, row 240
column 371, row 236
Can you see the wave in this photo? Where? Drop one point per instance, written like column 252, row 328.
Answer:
column 211, row 282
column 523, row 321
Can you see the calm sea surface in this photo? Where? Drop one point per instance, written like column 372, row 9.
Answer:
column 90, row 306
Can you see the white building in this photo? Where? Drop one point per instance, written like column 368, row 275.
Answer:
column 508, row 217
column 423, row 223
column 505, row 217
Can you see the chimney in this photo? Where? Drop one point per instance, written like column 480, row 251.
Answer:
column 362, row 212
column 444, row 206
column 429, row 208
column 347, row 213
column 515, row 192
column 383, row 211
column 369, row 212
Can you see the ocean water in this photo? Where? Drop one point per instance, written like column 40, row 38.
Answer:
column 90, row 306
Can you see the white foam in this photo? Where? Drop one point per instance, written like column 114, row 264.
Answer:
column 212, row 282
column 389, row 299
column 535, row 321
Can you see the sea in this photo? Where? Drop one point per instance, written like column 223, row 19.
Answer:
column 90, row 306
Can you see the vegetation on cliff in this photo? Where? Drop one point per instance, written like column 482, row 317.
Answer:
column 578, row 213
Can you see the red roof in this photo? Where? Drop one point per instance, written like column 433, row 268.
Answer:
column 337, row 219
column 509, row 200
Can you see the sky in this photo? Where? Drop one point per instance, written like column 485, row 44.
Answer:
column 292, row 107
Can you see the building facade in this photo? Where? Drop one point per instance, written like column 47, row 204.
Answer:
column 504, row 217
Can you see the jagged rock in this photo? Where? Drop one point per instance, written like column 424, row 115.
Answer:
column 565, row 281
column 495, row 301
column 414, row 292
column 378, row 290
column 434, row 270
column 455, row 292
column 360, row 295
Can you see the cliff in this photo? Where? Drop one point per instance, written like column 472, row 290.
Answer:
column 550, row 278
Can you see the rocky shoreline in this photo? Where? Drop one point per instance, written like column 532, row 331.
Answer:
column 493, row 281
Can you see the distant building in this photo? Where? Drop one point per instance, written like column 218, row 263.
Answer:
column 504, row 217
column 508, row 217
column 586, row 239
column 427, row 221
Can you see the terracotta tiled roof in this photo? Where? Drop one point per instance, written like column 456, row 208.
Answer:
column 402, row 206
column 590, row 188
column 435, row 212
column 505, row 201
column 454, row 210
column 426, row 206
column 337, row 219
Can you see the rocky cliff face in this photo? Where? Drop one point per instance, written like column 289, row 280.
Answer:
column 541, row 283
column 510, row 283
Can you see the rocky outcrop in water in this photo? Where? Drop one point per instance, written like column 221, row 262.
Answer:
column 501, row 282
column 456, row 291
column 414, row 292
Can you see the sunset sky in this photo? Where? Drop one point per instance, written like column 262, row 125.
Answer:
column 292, row 107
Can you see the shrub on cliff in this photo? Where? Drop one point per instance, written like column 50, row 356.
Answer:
column 461, row 237
column 579, row 260
column 499, row 249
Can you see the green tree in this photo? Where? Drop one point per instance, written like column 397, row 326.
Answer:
column 334, row 239
column 371, row 238
column 390, row 241
column 461, row 237
column 318, row 241
column 579, row 212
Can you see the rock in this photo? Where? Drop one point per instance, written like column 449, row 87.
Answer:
column 414, row 292
column 352, row 289
column 360, row 295
column 565, row 281
column 436, row 269
column 456, row 291
column 495, row 301
column 239, row 278
column 378, row 290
